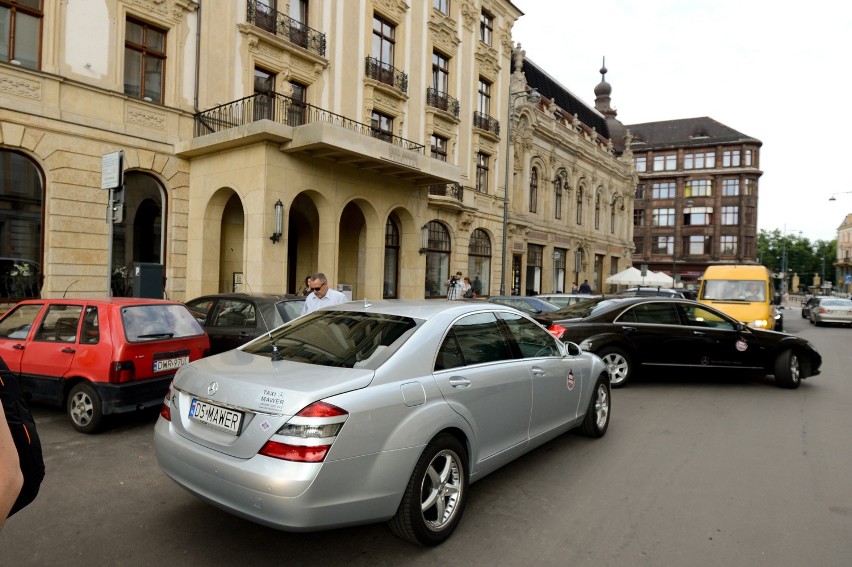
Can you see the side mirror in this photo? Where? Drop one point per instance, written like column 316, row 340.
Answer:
column 573, row 349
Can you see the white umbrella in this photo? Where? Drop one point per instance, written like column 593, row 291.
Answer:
column 630, row 276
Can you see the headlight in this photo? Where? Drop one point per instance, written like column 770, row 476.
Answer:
column 759, row 324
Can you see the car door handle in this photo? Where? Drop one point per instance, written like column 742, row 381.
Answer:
column 459, row 382
column 538, row 371
column 699, row 333
column 629, row 329
column 69, row 350
column 18, row 346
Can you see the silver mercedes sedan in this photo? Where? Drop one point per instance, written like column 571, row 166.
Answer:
column 369, row 412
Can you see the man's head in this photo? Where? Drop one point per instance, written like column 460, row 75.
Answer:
column 319, row 284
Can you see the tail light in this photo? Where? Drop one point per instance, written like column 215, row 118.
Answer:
column 557, row 330
column 120, row 372
column 308, row 435
column 823, row 310
column 166, row 410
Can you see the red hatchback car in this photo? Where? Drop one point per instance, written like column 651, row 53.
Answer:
column 99, row 356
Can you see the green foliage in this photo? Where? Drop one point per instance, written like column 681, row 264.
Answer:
column 804, row 257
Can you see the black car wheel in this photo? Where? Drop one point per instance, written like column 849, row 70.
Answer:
column 618, row 365
column 788, row 370
column 436, row 494
column 597, row 415
column 84, row 408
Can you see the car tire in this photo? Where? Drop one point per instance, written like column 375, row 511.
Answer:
column 619, row 365
column 435, row 497
column 597, row 414
column 788, row 370
column 84, row 408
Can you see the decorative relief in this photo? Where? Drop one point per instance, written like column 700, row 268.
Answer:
column 465, row 221
column 19, row 86
column 146, row 118
column 394, row 8
column 486, row 57
column 469, row 13
column 444, row 38
column 265, row 49
column 443, row 127
column 489, row 146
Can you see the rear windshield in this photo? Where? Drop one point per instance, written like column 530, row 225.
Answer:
column 144, row 323
column 584, row 309
column 335, row 338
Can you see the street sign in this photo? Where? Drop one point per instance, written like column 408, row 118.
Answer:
column 112, row 170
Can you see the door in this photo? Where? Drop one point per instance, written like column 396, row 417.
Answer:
column 50, row 352
column 480, row 378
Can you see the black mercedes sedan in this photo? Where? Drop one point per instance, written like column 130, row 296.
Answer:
column 636, row 333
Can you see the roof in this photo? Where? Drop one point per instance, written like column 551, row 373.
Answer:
column 700, row 131
column 565, row 99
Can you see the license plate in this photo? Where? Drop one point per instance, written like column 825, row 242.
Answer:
column 216, row 416
column 164, row 364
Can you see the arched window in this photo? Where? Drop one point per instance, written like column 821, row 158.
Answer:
column 479, row 262
column 598, row 211
column 533, row 189
column 21, row 195
column 579, row 206
column 437, row 259
column 390, row 289
column 557, row 199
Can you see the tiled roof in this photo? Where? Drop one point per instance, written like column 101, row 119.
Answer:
column 685, row 132
column 565, row 99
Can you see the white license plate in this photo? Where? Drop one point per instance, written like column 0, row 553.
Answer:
column 164, row 364
column 216, row 416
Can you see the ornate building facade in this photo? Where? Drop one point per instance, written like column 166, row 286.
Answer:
column 264, row 140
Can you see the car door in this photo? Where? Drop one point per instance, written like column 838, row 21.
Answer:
column 718, row 340
column 655, row 333
column 557, row 381
column 50, row 352
column 15, row 329
column 480, row 378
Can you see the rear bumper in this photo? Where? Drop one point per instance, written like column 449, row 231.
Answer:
column 131, row 396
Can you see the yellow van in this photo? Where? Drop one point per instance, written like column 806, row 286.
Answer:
column 744, row 292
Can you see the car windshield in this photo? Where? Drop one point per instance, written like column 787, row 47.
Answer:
column 151, row 322
column 734, row 290
column 335, row 338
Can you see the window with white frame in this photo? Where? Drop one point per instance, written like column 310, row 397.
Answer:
column 699, row 160
column 730, row 187
column 442, row 6
column 699, row 244
column 731, row 158
column 486, row 27
column 728, row 245
column 641, row 163
column 698, row 188
column 663, row 217
column 666, row 162
column 663, row 245
column 731, row 216
column 698, row 216
column 663, row 190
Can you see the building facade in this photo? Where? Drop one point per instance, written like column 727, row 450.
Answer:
column 843, row 262
column 696, row 200
column 262, row 141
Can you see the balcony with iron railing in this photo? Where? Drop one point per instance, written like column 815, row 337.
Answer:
column 386, row 73
column 442, row 101
column 487, row 123
column 281, row 25
column 448, row 196
column 299, row 127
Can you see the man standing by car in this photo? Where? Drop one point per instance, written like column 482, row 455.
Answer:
column 585, row 287
column 321, row 294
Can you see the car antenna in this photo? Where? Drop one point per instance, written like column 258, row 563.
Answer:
column 67, row 288
column 276, row 354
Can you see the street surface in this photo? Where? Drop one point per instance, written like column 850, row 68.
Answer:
column 692, row 472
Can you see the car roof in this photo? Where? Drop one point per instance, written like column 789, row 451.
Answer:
column 419, row 308
column 241, row 295
column 120, row 301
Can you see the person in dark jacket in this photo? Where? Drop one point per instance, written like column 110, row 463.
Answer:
column 585, row 287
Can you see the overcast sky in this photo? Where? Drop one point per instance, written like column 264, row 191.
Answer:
column 775, row 71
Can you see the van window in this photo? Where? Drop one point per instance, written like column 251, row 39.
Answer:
column 734, row 290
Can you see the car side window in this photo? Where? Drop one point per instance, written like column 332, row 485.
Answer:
column 18, row 322
column 656, row 313
column 234, row 313
column 479, row 339
column 532, row 340
column 60, row 323
column 701, row 317
column 90, row 334
column 200, row 308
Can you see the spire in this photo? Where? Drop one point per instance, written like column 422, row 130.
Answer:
column 602, row 105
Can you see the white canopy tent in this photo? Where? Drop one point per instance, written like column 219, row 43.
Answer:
column 632, row 276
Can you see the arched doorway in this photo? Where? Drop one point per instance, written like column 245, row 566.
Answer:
column 231, row 276
column 140, row 238
column 21, row 204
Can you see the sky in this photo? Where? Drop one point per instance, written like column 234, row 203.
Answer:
column 778, row 72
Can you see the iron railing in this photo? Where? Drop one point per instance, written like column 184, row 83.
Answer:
column 453, row 190
column 485, row 122
column 284, row 26
column 442, row 101
column 285, row 110
column 386, row 73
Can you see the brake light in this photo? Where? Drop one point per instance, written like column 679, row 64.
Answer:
column 557, row 330
column 309, row 434
column 166, row 410
column 120, row 372
column 823, row 310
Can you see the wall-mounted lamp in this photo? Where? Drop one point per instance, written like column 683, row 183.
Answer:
column 424, row 238
column 279, row 222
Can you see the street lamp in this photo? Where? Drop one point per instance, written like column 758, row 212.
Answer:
column 533, row 97
column 834, row 195
column 784, row 258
